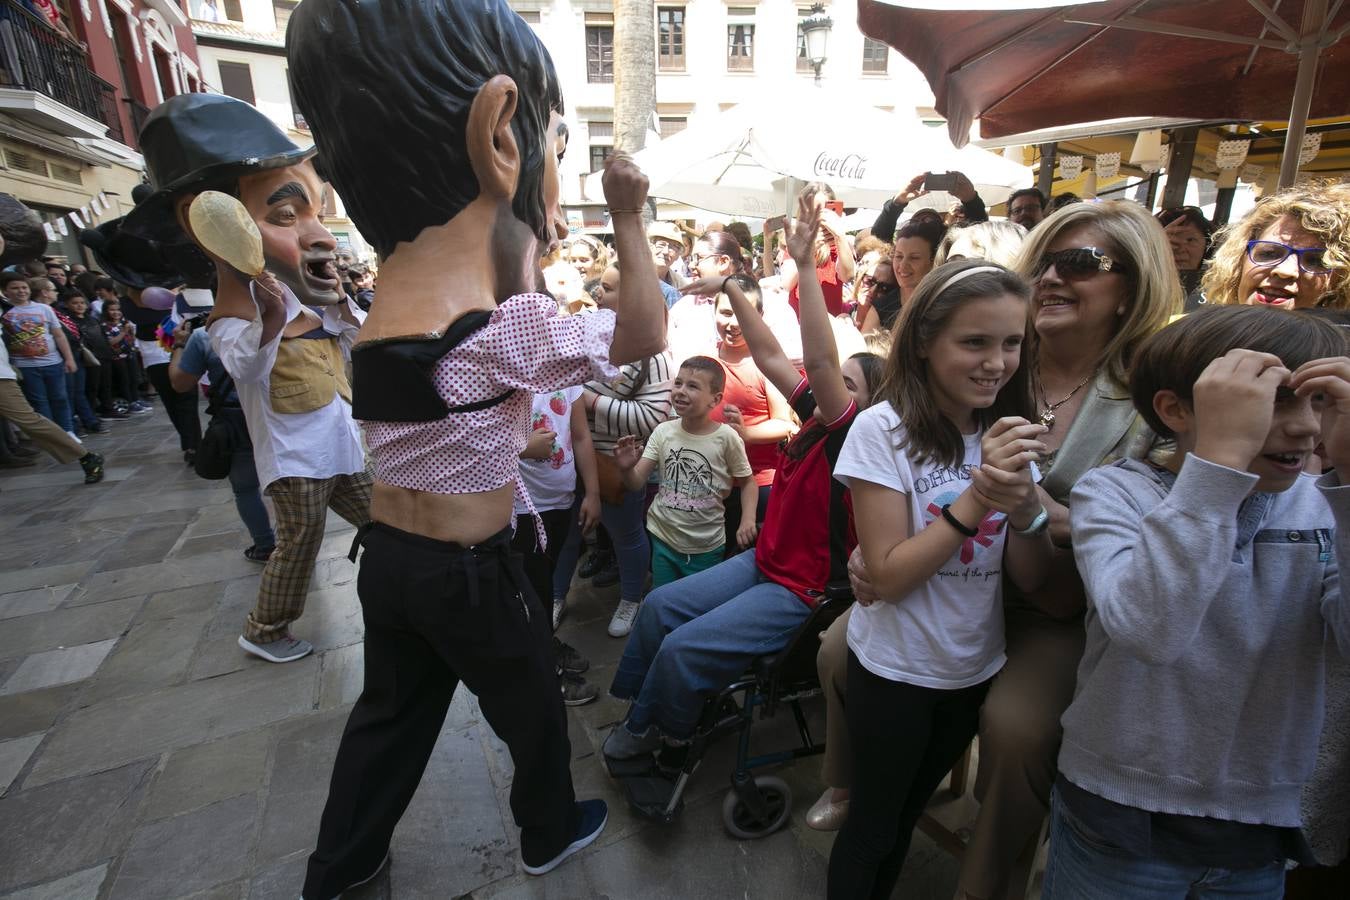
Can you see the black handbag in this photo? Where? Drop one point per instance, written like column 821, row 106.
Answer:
column 225, row 434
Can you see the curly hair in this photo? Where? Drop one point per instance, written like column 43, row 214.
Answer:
column 1322, row 209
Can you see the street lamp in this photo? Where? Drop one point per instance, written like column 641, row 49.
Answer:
column 816, row 29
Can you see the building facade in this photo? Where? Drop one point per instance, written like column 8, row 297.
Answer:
column 710, row 56
column 243, row 52
column 77, row 79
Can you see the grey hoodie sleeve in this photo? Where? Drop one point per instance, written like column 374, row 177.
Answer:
column 1150, row 570
column 1336, row 606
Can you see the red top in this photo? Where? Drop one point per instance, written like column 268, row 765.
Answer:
column 808, row 529
column 830, row 286
column 747, row 389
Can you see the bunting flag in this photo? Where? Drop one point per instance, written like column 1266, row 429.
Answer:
column 51, row 232
column 1231, row 154
column 1312, row 145
column 1108, row 165
column 61, row 227
column 1070, row 167
column 76, row 218
column 1252, row 173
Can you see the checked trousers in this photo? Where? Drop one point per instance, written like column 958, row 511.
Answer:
column 302, row 506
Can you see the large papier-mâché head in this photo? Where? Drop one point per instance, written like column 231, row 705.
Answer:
column 409, row 72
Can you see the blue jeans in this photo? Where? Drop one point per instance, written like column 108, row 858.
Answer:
column 45, row 388
column 248, row 500
column 693, row 636
column 75, row 384
column 1083, row 868
column 627, row 527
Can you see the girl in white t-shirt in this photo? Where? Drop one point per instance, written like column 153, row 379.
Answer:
column 940, row 468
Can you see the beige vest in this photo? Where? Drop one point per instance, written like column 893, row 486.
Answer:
column 307, row 374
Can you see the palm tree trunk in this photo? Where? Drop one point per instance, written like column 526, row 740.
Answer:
column 634, row 72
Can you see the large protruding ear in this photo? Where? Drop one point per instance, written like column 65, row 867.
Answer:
column 493, row 151
column 180, row 214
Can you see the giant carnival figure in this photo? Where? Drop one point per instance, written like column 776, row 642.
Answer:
column 284, row 338
column 454, row 180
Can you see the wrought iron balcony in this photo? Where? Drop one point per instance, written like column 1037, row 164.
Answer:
column 35, row 57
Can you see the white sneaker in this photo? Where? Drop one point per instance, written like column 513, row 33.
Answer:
column 622, row 621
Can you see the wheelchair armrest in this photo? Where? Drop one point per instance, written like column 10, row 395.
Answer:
column 839, row 590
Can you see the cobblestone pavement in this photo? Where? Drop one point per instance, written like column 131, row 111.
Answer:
column 144, row 756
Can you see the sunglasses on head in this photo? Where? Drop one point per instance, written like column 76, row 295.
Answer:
column 1078, row 263
column 1265, row 254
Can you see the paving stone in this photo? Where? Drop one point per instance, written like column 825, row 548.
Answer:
column 31, row 711
column 14, row 756
column 66, row 627
column 97, row 737
column 83, row 885
column 53, row 830
column 189, row 853
column 61, row 666
column 145, row 546
column 236, row 539
column 332, row 617
column 151, row 504
column 149, row 579
column 24, row 579
column 452, row 838
column 154, row 654
column 343, row 676
column 206, row 773
column 43, row 599
column 301, row 769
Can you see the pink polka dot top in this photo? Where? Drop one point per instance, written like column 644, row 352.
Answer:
column 526, row 346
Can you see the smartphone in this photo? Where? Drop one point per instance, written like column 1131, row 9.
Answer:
column 939, row 181
column 835, row 206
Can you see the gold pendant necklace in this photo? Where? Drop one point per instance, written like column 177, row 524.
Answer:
column 1047, row 416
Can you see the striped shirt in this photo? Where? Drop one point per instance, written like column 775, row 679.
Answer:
column 629, row 404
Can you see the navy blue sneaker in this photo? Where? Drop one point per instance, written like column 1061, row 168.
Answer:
column 594, row 815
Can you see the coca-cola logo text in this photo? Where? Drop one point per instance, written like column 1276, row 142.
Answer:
column 850, row 166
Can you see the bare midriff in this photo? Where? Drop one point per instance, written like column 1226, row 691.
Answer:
column 466, row 519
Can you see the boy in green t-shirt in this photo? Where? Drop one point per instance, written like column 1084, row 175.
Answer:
column 699, row 461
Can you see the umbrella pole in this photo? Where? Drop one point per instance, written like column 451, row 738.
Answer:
column 1309, row 51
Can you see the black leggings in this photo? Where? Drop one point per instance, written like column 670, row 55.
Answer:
column 182, row 408
column 905, row 740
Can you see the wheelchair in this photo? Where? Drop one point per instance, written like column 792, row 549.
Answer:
column 755, row 806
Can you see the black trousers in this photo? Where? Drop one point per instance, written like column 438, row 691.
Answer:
column 905, row 740
column 539, row 564
column 437, row 614
column 182, row 408
column 98, row 386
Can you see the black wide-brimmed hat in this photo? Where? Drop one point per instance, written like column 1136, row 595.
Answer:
column 193, row 141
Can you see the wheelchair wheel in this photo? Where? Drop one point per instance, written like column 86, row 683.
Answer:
column 743, row 823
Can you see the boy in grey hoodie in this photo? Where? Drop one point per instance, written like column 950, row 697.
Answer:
column 1213, row 593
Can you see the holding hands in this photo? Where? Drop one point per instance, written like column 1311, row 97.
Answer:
column 1003, row 481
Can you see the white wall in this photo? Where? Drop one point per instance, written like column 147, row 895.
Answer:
column 706, row 87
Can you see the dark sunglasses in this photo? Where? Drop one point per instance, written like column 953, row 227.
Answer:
column 1078, row 263
column 1265, row 254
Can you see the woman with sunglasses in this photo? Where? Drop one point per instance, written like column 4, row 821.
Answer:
column 1291, row 251
column 1103, row 280
column 692, row 329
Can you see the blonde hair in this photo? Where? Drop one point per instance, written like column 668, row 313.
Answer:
column 1136, row 240
column 599, row 254
column 995, row 241
column 1322, row 209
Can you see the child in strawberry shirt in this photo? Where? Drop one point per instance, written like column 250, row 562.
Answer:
column 558, row 451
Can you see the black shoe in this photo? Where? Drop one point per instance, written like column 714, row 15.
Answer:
column 576, row 691
column 594, row 815
column 92, row 463
column 189, row 456
column 96, row 428
column 259, row 554
column 607, row 576
column 594, row 562
column 569, row 660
